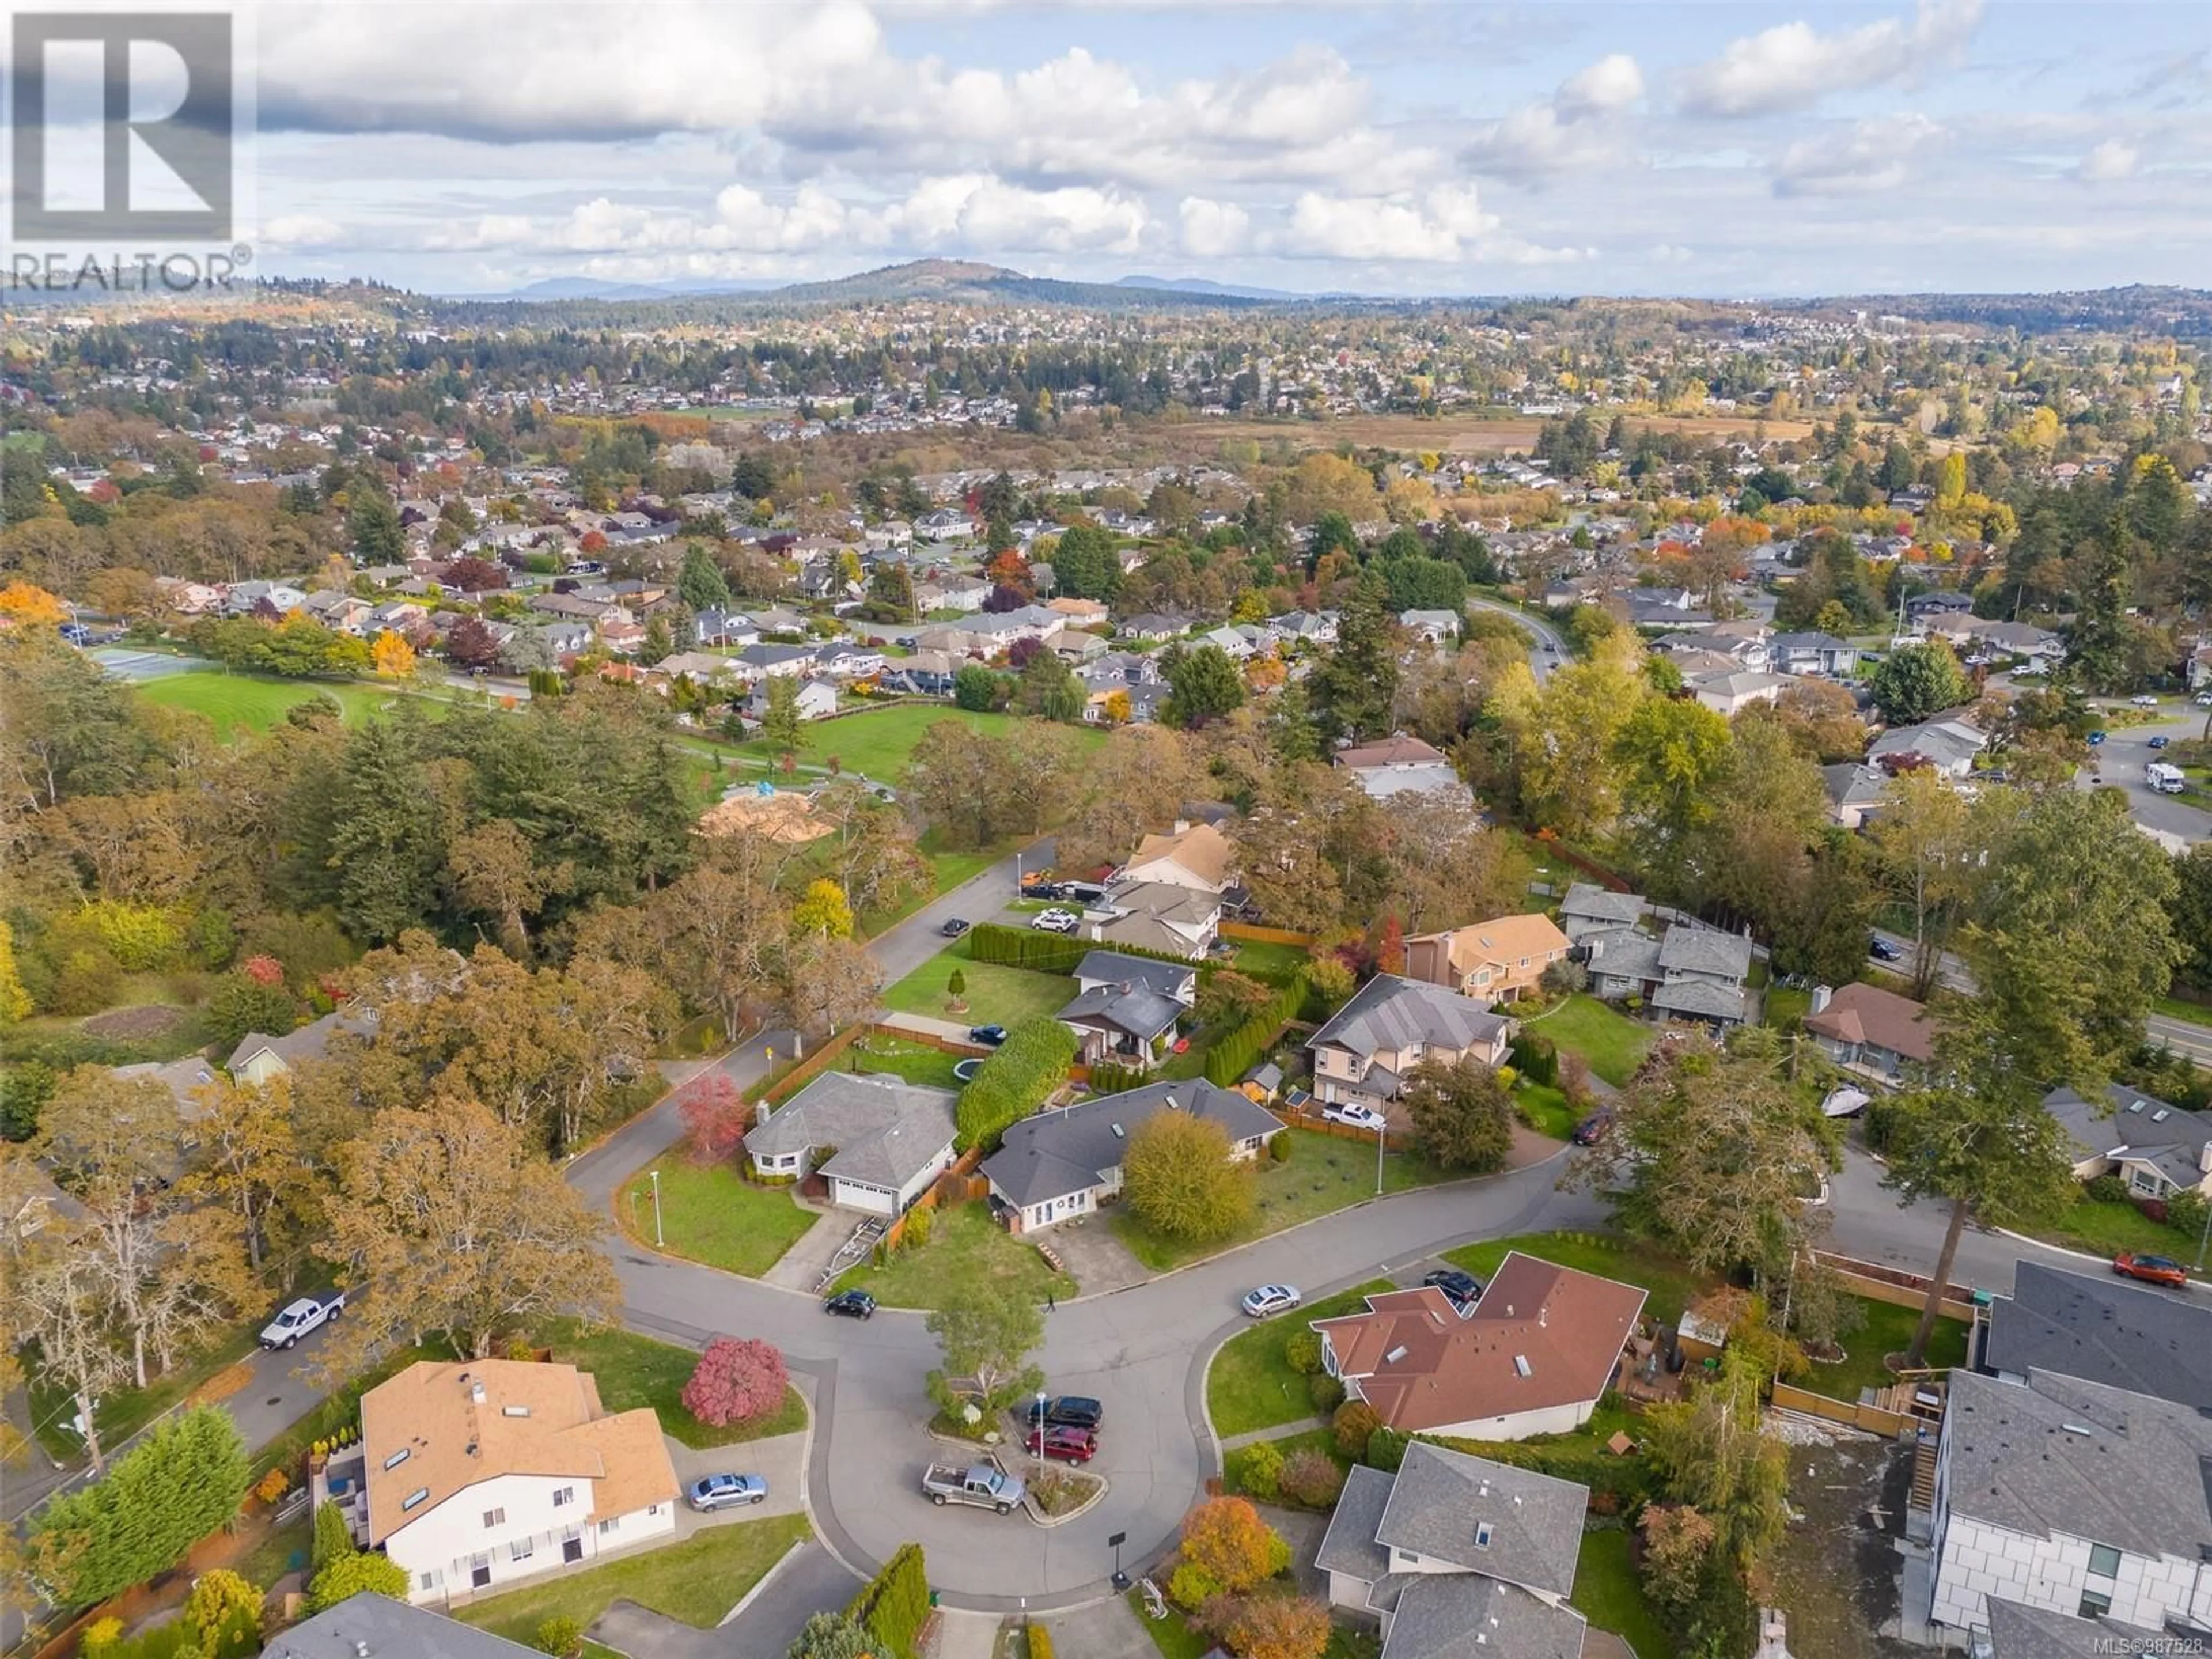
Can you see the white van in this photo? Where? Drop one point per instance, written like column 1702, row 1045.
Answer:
column 2166, row 780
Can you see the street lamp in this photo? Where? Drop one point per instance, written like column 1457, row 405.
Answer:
column 657, row 1241
column 1380, row 1130
column 1040, row 1433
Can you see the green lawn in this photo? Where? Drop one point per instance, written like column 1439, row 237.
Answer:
column 1671, row 1284
column 1888, row 1329
column 917, row 1062
column 1321, row 1440
column 122, row 1413
column 1613, row 1043
column 280, row 1549
column 878, row 742
column 1172, row 1636
column 635, row 1370
column 1610, row 1594
column 2107, row 1228
column 995, row 994
column 1325, row 1173
column 965, row 1247
column 712, row 1214
column 2194, row 1013
column 1786, row 1008
column 695, row 1581
column 236, row 702
column 1266, row 960
column 1249, row 1385
column 1546, row 1109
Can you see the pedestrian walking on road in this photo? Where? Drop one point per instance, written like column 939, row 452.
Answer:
column 1051, row 1303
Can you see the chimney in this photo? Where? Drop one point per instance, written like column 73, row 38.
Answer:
column 1821, row 994
column 2204, row 1158
column 477, row 1393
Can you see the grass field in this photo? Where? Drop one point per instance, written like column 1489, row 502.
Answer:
column 1250, row 1385
column 1324, row 1172
column 711, row 1214
column 1544, row 1110
column 1887, row 1330
column 695, row 1581
column 245, row 702
column 1610, row 1594
column 635, row 1370
column 966, row 1248
column 1613, row 1043
column 1267, row 959
column 2107, row 1228
column 916, row 1062
column 877, row 743
column 996, row 994
column 1786, row 1008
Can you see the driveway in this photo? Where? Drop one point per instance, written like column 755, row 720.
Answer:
column 781, row 1460
column 1100, row 1262
column 807, row 1582
column 1104, row 1630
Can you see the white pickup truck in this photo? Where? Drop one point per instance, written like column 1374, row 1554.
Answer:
column 309, row 1313
column 979, row 1483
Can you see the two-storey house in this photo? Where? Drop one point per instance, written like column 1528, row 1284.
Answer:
column 1363, row 1055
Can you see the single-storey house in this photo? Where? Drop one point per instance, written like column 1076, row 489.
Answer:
column 2156, row 1148
column 1160, row 915
column 1947, row 745
column 1399, row 765
column 259, row 1057
column 1390, row 1025
column 759, row 661
column 1459, row 1557
column 890, row 1138
column 817, row 699
column 1871, row 1032
column 1533, row 1356
column 1498, row 960
column 475, row 1473
column 1067, row 1162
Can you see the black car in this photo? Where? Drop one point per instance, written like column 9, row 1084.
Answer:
column 1594, row 1128
column 953, row 928
column 1070, row 1411
column 1462, row 1288
column 1882, row 951
column 989, row 1035
column 851, row 1304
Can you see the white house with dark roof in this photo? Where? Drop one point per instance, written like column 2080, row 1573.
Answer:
column 888, row 1139
column 1056, row 1165
column 259, row 1057
column 1458, row 1558
column 2101, row 1329
column 2156, row 1148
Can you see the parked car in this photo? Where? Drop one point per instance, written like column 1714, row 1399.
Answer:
column 309, row 1313
column 2203, row 700
column 1070, row 1411
column 1351, row 1112
column 1882, row 951
column 1270, row 1299
column 978, row 1484
column 1463, row 1288
column 2160, row 743
column 953, row 928
column 989, row 1035
column 1594, row 1128
column 2096, row 738
column 1065, row 1442
column 723, row 1492
column 1056, row 920
column 2143, row 699
column 1551, row 648
column 2157, row 1269
column 851, row 1304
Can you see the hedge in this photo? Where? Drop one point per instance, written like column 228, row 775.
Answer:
column 1535, row 1058
column 894, row 1604
column 1014, row 1081
column 186, row 1479
column 1234, row 1054
column 1057, row 953
column 1628, row 1480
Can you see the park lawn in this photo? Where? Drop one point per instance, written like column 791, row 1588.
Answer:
column 1887, row 1330
column 695, row 1581
column 1544, row 1110
column 996, row 994
column 916, row 1062
column 966, row 1248
column 1610, row 1594
column 1613, row 1043
column 635, row 1370
column 248, row 702
column 1672, row 1285
column 1250, row 1385
column 710, row 1213
column 1265, row 959
column 1324, row 1174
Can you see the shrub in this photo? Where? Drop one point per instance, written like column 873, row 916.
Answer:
column 1312, row 1477
column 1279, row 1148
column 272, row 1485
column 956, row 985
column 2184, row 1212
column 1386, row 1450
column 100, row 1636
column 1326, row 1393
column 1015, row 1081
column 1535, row 1058
column 1240, row 1049
column 736, row 1381
column 894, row 1604
column 1259, row 1470
column 1232, row 1548
column 222, row 1604
column 920, row 1221
column 1039, row 1642
column 1271, row 1626
column 2105, row 1189
column 715, row 1116
column 1191, row 1586
column 350, row 1575
column 332, row 1538
column 1302, row 1352
column 241, row 1004
column 559, row 1636
column 1352, row 1423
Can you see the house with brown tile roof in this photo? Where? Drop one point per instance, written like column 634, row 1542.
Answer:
column 1497, row 960
column 474, row 1474
column 1874, row 1032
column 1533, row 1356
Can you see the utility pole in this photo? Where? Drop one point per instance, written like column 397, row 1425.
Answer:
column 657, row 1240
column 1380, row 1130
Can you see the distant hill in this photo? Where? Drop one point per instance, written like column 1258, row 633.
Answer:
column 1229, row 290
column 965, row 282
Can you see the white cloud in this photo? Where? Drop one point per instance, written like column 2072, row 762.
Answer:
column 1576, row 127
column 2113, row 159
column 1864, row 158
column 1445, row 225
column 297, row 231
column 1213, row 230
column 978, row 212
column 813, row 219
column 1792, row 64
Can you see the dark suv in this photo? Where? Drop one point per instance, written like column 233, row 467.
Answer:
column 1070, row 1411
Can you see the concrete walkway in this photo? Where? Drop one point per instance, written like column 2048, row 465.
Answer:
column 1302, row 1426
column 961, row 1635
column 800, row 1267
column 923, row 1025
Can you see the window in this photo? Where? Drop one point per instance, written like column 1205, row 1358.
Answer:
column 1482, row 1535
column 563, row 1496
column 496, row 1518
column 2104, row 1561
column 610, row 1524
column 420, row 1495
column 2094, row 1604
column 397, row 1458
column 520, row 1550
column 426, row 1581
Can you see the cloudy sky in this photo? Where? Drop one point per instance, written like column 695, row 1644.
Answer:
column 1420, row 146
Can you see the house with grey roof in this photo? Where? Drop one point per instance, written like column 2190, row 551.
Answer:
column 1067, row 1162
column 2100, row 1329
column 1127, row 1009
column 2071, row 1496
column 381, row 1628
column 1947, row 745
column 1687, row 972
column 1854, row 791
column 1391, row 1024
column 2157, row 1149
column 1589, row 909
column 885, row 1139
column 1458, row 1558
column 1813, row 654
column 1159, row 915
column 2018, row 1632
column 259, row 1057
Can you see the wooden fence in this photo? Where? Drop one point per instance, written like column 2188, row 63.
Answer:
column 1253, row 933
column 1320, row 1124
column 1547, row 847
column 1875, row 1419
column 822, row 1059
column 959, row 1185
column 1900, row 1289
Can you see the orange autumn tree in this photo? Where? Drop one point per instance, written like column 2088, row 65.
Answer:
column 1227, row 1549
column 23, row 602
column 1268, row 1626
column 393, row 656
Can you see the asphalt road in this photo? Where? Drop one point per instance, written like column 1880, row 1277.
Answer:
column 2118, row 761
column 1540, row 661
